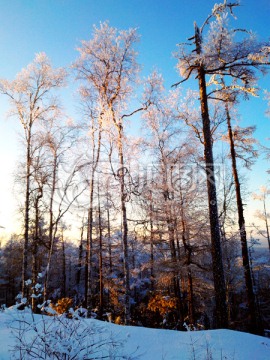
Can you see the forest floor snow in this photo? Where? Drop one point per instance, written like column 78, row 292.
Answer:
column 145, row 343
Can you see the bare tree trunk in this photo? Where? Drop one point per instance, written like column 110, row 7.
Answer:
column 109, row 239
column 64, row 286
column 124, row 223
column 151, row 242
column 35, row 250
column 253, row 318
column 51, row 228
column 266, row 222
column 78, row 280
column 175, row 264
column 101, row 284
column 217, row 262
column 26, row 213
column 228, row 278
column 191, row 312
column 89, row 245
column 188, row 253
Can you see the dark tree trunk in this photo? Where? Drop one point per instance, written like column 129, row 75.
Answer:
column 176, row 283
column 101, row 284
column 253, row 318
column 217, row 262
column 26, row 213
column 64, row 286
column 35, row 251
column 123, row 195
column 51, row 228
column 151, row 242
column 266, row 223
column 188, row 253
column 191, row 311
column 89, row 245
column 89, row 242
column 78, row 279
column 109, row 239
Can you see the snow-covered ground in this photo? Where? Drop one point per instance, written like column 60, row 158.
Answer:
column 150, row 344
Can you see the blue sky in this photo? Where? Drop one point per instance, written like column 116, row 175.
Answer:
column 57, row 26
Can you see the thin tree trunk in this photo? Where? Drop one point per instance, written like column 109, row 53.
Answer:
column 101, row 284
column 176, row 283
column 64, row 292
column 266, row 223
column 253, row 319
column 51, row 228
column 217, row 262
column 109, row 239
column 151, row 242
column 86, row 266
column 26, row 214
column 78, row 279
column 35, row 251
column 109, row 244
column 228, row 278
column 188, row 253
column 124, row 223
column 191, row 311
column 89, row 245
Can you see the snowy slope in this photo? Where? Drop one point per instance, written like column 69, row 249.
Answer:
column 155, row 344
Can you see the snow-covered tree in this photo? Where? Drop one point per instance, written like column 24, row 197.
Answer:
column 31, row 101
column 218, row 54
column 263, row 215
column 108, row 67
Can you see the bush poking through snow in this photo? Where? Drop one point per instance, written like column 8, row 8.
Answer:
column 61, row 338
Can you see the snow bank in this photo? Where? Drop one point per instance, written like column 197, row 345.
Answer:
column 155, row 344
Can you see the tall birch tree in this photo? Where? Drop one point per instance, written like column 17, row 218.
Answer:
column 31, row 101
column 108, row 67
